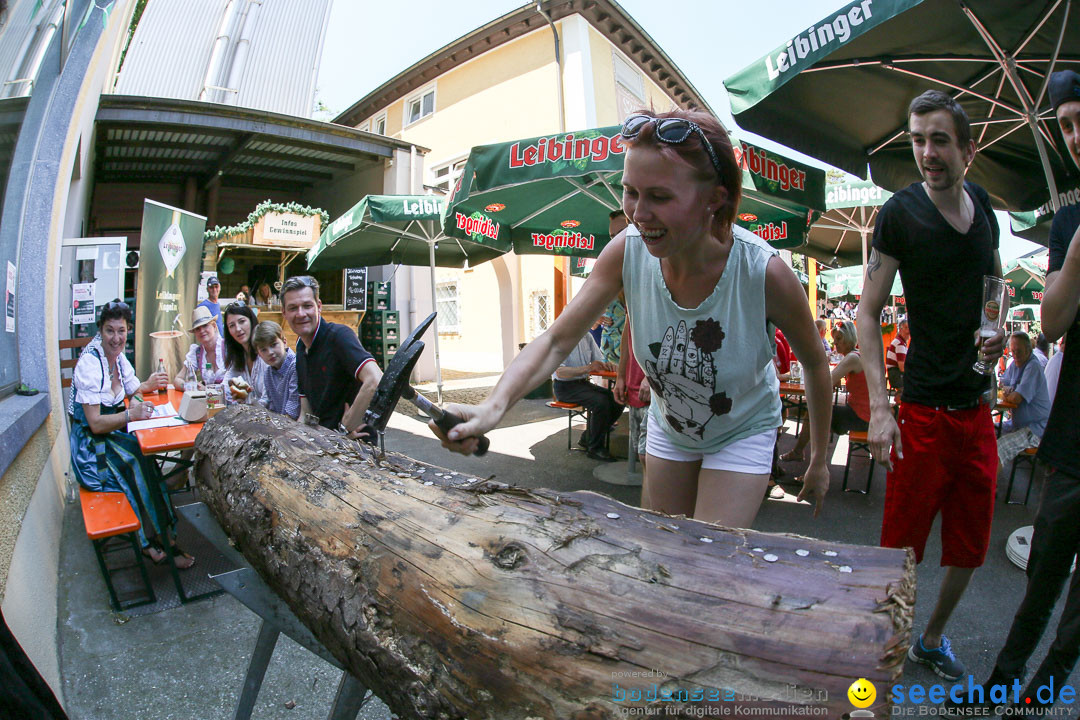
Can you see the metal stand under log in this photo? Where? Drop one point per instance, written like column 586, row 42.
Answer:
column 457, row 597
column 245, row 585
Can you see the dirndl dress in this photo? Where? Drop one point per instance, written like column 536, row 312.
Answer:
column 113, row 462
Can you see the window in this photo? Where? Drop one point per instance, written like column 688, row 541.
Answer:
column 629, row 85
column 448, row 305
column 539, row 313
column 378, row 125
column 446, row 176
column 366, row 127
column 420, row 106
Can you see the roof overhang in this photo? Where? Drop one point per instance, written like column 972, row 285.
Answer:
column 163, row 140
column 606, row 16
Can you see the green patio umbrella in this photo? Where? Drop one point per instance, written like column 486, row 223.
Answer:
column 1024, row 313
column 849, row 281
column 1026, row 278
column 399, row 230
column 781, row 197
column 547, row 195
column 842, row 235
column 839, row 90
column 552, row 195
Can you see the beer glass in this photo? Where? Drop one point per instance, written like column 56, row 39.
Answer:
column 993, row 318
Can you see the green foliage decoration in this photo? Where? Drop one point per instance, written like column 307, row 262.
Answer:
column 266, row 206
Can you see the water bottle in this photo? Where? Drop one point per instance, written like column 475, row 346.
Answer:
column 208, row 373
column 191, row 381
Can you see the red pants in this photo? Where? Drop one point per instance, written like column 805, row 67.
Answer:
column 950, row 465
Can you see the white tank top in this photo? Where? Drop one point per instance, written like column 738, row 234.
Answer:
column 710, row 367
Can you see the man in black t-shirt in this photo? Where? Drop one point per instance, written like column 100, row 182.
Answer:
column 333, row 370
column 1057, row 527
column 944, row 453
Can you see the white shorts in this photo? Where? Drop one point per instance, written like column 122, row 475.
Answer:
column 752, row 455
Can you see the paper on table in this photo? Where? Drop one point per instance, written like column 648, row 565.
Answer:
column 164, row 410
column 154, row 423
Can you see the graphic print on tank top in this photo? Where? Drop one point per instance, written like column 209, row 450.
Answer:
column 683, row 374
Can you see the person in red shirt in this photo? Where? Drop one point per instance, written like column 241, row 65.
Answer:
column 783, row 357
column 856, row 414
column 632, row 390
column 896, row 356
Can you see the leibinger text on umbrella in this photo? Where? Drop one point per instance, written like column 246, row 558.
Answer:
column 816, row 39
column 473, row 225
column 551, row 149
column 575, row 241
column 854, row 194
column 421, row 207
column 758, row 162
column 770, row 231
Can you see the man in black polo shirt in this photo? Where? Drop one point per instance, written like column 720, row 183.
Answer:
column 333, row 370
column 1057, row 525
column 944, row 452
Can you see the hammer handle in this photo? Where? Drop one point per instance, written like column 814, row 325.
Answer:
column 446, row 420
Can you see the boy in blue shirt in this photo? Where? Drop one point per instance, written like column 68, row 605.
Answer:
column 279, row 379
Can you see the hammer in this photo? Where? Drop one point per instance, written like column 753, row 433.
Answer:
column 395, row 385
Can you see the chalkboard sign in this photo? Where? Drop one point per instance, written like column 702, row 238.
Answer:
column 355, row 284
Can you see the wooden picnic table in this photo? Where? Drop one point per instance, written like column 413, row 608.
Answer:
column 157, row 441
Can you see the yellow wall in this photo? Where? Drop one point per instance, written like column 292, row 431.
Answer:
column 507, row 93
column 603, row 72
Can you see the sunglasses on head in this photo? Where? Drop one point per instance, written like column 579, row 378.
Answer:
column 116, row 304
column 672, row 131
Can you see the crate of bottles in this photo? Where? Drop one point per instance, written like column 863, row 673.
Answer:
column 377, row 289
column 382, row 318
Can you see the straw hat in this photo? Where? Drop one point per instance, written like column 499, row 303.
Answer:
column 201, row 316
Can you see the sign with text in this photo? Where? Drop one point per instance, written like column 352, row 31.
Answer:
column 170, row 266
column 286, row 230
column 355, row 289
column 82, row 303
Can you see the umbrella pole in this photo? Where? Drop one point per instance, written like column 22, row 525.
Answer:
column 438, row 367
column 1045, row 159
column 862, row 235
column 1032, row 119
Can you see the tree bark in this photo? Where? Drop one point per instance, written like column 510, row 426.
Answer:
column 456, row 597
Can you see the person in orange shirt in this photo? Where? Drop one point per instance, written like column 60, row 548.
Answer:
column 856, row 414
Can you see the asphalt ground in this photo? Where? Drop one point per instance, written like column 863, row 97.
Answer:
column 189, row 662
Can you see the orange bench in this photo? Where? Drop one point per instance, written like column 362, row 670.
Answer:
column 108, row 517
column 858, row 442
column 572, row 410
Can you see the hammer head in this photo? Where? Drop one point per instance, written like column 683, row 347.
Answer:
column 396, row 377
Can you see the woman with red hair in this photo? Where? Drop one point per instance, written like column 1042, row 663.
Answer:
column 703, row 299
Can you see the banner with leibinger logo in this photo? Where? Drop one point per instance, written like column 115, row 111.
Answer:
column 170, row 264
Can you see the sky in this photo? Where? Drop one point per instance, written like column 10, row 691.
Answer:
column 368, row 43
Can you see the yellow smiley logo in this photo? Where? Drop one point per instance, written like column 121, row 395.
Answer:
column 862, row 693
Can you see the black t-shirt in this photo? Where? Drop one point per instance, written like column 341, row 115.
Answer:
column 1060, row 445
column 326, row 372
column 942, row 272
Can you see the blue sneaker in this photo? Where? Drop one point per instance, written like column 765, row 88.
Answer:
column 940, row 659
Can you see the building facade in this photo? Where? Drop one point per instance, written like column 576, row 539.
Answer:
column 564, row 67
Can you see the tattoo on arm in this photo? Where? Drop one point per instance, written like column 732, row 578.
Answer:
column 873, row 264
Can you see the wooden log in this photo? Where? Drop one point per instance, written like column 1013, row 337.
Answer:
column 458, row 597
